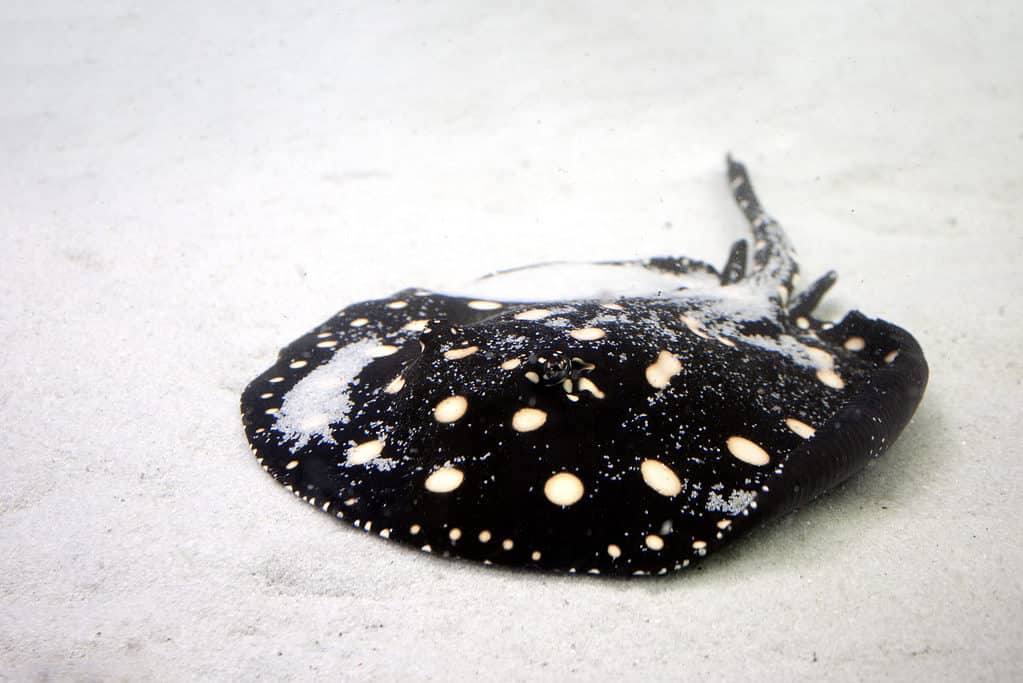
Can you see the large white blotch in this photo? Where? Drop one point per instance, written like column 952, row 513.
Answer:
column 322, row 396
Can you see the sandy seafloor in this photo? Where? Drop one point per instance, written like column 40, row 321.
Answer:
column 186, row 187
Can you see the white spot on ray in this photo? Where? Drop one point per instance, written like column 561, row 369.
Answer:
column 820, row 358
column 322, row 396
column 532, row 314
column 660, row 372
column 747, row 451
column 799, row 427
column 654, row 542
column 528, row 419
column 564, row 489
column 450, row 409
column 444, row 480
column 694, row 325
column 660, row 478
column 480, row 305
column 587, row 334
column 364, row 452
column 585, row 384
column 855, row 344
column 381, row 351
column 830, row 378
column 458, row 354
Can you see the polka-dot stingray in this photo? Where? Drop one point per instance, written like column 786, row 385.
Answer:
column 624, row 433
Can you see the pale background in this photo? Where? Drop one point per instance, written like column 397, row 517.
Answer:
column 187, row 186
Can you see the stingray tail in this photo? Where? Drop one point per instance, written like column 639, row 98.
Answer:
column 774, row 259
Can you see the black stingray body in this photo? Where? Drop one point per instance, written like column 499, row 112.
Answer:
column 611, row 435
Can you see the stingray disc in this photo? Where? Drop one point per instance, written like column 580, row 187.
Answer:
column 624, row 430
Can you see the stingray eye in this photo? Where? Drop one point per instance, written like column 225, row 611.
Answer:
column 552, row 367
column 580, row 367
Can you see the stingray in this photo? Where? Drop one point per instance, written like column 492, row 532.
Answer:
column 622, row 430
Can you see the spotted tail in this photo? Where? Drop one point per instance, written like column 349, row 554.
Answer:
column 774, row 258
